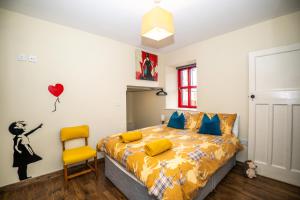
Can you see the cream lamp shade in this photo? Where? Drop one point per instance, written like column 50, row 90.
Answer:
column 157, row 24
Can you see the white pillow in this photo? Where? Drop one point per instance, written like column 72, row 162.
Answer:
column 235, row 128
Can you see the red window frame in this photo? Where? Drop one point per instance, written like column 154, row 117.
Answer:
column 188, row 87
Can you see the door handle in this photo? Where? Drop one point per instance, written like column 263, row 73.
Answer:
column 252, row 96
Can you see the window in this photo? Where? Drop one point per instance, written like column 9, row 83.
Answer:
column 187, row 87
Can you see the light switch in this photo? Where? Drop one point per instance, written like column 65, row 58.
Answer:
column 22, row 57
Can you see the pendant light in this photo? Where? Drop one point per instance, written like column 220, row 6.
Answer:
column 157, row 24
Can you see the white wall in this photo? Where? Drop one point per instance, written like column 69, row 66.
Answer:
column 130, row 111
column 223, row 65
column 94, row 70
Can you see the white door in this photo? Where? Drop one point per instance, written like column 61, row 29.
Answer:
column 274, row 112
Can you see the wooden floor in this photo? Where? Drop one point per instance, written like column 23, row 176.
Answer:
column 233, row 186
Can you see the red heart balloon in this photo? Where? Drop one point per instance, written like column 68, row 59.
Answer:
column 56, row 90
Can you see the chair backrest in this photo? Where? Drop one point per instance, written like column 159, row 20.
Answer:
column 70, row 133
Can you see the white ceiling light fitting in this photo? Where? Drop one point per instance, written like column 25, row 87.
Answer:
column 157, row 24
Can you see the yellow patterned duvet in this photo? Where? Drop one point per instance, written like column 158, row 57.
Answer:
column 177, row 173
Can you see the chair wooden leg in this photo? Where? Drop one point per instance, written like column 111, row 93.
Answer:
column 86, row 163
column 66, row 172
column 96, row 170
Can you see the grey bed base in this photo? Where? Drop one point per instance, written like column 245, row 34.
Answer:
column 133, row 189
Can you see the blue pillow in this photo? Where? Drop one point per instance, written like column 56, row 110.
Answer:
column 176, row 121
column 210, row 126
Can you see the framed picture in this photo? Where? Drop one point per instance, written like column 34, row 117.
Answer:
column 146, row 66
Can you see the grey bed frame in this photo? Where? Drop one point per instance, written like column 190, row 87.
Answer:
column 134, row 189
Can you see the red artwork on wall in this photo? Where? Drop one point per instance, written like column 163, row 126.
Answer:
column 56, row 91
column 146, row 66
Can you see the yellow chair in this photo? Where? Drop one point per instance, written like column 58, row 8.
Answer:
column 79, row 154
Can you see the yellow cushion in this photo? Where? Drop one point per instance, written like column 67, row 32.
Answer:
column 227, row 122
column 131, row 136
column 79, row 154
column 158, row 146
column 74, row 132
column 191, row 120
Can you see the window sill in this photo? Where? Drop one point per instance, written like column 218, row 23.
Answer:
column 183, row 109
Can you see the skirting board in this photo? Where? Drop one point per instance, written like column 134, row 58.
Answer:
column 121, row 178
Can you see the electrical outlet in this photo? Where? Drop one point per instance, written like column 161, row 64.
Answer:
column 32, row 59
column 244, row 142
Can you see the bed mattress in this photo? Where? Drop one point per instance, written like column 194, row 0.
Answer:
column 134, row 189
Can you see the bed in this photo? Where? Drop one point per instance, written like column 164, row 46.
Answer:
column 126, row 169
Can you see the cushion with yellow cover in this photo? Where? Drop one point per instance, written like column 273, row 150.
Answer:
column 158, row 146
column 131, row 136
column 191, row 120
column 227, row 122
column 78, row 154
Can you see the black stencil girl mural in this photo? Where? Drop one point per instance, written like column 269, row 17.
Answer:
column 23, row 153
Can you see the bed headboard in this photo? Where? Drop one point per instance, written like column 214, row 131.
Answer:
column 235, row 128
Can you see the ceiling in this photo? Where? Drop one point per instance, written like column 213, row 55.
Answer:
column 195, row 20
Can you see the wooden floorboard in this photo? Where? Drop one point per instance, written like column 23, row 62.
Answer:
column 86, row 187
